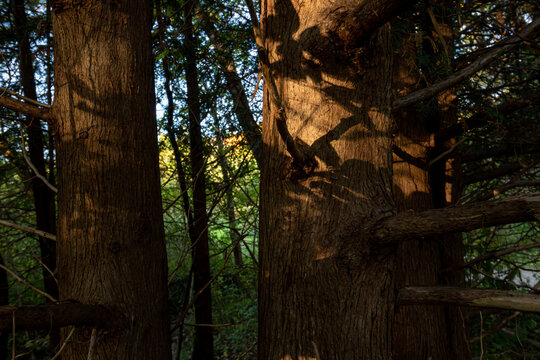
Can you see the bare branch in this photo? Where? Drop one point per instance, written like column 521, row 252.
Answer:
column 92, row 346
column 504, row 188
column 411, row 225
column 441, row 295
column 486, row 115
column 28, row 230
column 501, row 253
column 35, row 170
column 57, row 355
column 457, row 77
column 502, row 170
column 26, row 99
column 26, row 108
column 26, row 283
column 57, row 315
column 497, row 328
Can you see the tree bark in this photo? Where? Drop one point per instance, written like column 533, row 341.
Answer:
column 110, row 244
column 470, row 297
column 419, row 332
column 313, row 292
column 407, row 225
column 203, row 347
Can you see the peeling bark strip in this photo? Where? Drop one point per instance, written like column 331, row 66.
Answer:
column 57, row 315
column 440, row 295
column 460, row 218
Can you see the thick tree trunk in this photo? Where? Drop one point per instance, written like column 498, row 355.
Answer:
column 323, row 294
column 110, row 231
column 203, row 347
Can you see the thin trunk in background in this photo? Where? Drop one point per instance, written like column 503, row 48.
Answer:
column 243, row 112
column 203, row 348
column 162, row 21
column 43, row 196
column 4, row 300
column 234, row 234
column 416, row 187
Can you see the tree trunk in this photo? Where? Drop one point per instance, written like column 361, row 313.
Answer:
column 43, row 196
column 203, row 348
column 4, row 300
column 110, row 242
column 323, row 294
column 420, row 332
column 226, row 173
column 241, row 108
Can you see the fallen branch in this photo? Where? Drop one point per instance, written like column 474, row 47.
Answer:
column 440, row 295
column 57, row 315
column 499, row 49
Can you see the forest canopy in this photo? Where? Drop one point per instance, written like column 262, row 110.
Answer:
column 201, row 179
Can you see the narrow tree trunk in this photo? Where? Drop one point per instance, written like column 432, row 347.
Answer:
column 323, row 294
column 43, row 196
column 234, row 236
column 241, row 108
column 110, row 244
column 203, row 348
column 421, row 332
column 4, row 300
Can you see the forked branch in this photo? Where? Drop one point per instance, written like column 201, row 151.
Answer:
column 441, row 295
